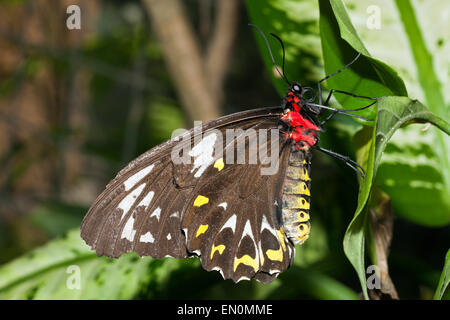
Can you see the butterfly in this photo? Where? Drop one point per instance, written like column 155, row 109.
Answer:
column 235, row 218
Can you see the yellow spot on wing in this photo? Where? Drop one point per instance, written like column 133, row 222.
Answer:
column 302, row 216
column 304, row 189
column 302, row 203
column 219, row 164
column 281, row 238
column 302, row 239
column 201, row 229
column 219, row 248
column 298, row 188
column 247, row 260
column 303, row 229
column 275, row 255
column 200, row 200
column 304, row 174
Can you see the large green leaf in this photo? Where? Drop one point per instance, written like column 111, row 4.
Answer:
column 413, row 37
column 340, row 44
column 393, row 112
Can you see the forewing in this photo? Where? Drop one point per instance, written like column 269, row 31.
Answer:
column 142, row 208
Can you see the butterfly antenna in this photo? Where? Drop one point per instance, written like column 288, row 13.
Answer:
column 270, row 53
column 284, row 56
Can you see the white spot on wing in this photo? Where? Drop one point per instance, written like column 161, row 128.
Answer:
column 169, row 236
column 223, row 205
column 272, row 271
column 135, row 178
column 203, row 154
column 220, row 270
column 247, row 231
column 128, row 201
column 231, row 223
column 146, row 201
column 265, row 225
column 291, row 252
column 128, row 232
column 156, row 213
column 242, row 278
column 175, row 214
column 147, row 238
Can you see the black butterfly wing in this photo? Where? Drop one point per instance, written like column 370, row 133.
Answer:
column 146, row 206
column 236, row 228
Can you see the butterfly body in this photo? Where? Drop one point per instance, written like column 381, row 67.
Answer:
column 296, row 197
column 302, row 133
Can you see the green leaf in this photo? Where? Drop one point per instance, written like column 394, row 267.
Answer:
column 393, row 112
column 295, row 22
column 354, row 239
column 367, row 76
column 445, row 278
column 51, row 271
column 415, row 169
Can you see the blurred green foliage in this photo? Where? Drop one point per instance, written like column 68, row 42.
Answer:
column 133, row 106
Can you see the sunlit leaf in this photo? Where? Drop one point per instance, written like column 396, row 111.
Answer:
column 413, row 37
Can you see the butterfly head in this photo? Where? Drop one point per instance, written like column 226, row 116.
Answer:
column 296, row 88
column 299, row 97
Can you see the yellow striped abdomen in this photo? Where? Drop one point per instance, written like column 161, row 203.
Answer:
column 296, row 197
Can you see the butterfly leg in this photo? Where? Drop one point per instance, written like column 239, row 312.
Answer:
column 331, row 115
column 349, row 94
column 334, row 73
column 352, row 164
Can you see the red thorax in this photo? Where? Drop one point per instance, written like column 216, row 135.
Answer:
column 303, row 131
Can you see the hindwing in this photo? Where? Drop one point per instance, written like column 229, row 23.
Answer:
column 238, row 231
